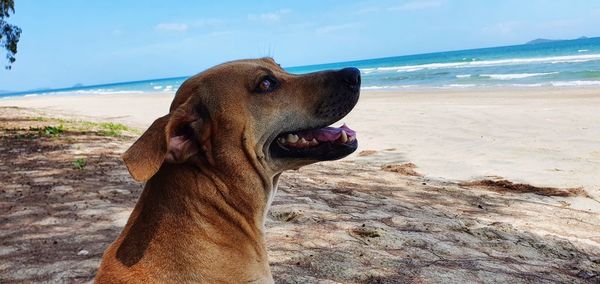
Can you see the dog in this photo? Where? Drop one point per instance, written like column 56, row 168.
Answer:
column 211, row 168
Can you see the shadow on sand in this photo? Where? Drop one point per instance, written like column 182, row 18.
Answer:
column 347, row 221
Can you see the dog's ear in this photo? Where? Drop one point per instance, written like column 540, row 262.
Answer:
column 187, row 133
column 173, row 138
column 146, row 155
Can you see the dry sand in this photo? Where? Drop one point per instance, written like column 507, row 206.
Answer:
column 409, row 206
column 543, row 137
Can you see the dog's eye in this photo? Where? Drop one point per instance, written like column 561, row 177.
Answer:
column 266, row 84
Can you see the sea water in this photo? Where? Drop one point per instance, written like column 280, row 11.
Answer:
column 552, row 64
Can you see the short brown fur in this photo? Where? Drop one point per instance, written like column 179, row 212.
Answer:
column 201, row 215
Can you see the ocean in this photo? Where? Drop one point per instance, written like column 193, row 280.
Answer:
column 552, row 64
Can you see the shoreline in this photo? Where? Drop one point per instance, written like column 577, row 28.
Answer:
column 538, row 136
column 392, row 89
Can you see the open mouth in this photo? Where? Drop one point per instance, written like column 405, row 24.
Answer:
column 328, row 143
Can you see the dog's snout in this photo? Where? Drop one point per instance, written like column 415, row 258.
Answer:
column 344, row 85
column 351, row 76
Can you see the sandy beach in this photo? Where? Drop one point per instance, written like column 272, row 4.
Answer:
column 543, row 137
column 475, row 141
column 492, row 185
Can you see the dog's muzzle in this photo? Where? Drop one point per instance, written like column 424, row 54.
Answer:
column 346, row 90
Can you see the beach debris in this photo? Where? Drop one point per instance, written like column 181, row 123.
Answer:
column 407, row 169
column 587, row 274
column 504, row 185
column 363, row 233
column 366, row 153
column 83, row 252
column 286, row 216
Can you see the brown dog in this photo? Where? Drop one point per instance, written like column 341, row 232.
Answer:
column 212, row 166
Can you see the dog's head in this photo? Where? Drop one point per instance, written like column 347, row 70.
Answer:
column 251, row 111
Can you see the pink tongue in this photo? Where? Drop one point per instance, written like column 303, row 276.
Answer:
column 327, row 134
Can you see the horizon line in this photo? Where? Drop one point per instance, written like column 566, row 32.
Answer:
column 81, row 86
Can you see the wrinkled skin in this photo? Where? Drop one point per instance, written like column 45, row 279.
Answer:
column 211, row 167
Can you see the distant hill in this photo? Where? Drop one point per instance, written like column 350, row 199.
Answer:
column 545, row 40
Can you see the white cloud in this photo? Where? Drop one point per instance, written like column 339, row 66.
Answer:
column 274, row 16
column 172, row 27
column 418, row 5
column 334, row 28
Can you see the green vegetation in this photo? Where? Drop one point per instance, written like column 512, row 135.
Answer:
column 53, row 130
column 9, row 34
column 79, row 164
column 48, row 130
column 112, row 129
column 101, row 128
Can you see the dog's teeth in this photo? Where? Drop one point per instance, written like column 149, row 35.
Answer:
column 292, row 138
column 302, row 141
column 313, row 142
column 351, row 138
column 281, row 140
column 344, row 137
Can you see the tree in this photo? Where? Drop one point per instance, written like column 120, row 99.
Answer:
column 9, row 34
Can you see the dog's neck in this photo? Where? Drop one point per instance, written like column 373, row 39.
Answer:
column 214, row 211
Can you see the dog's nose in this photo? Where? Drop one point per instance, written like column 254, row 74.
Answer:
column 351, row 76
column 343, row 91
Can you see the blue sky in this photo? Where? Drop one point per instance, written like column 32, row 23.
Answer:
column 65, row 42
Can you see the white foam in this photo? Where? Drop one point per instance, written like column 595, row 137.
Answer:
column 583, row 50
column 574, row 83
column 460, row 85
column 157, row 87
column 463, row 76
column 572, row 61
column 367, row 70
column 88, row 92
column 524, row 85
column 106, row 92
column 515, row 76
column 487, row 63
column 387, row 87
column 378, row 87
column 556, row 84
column 578, row 83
